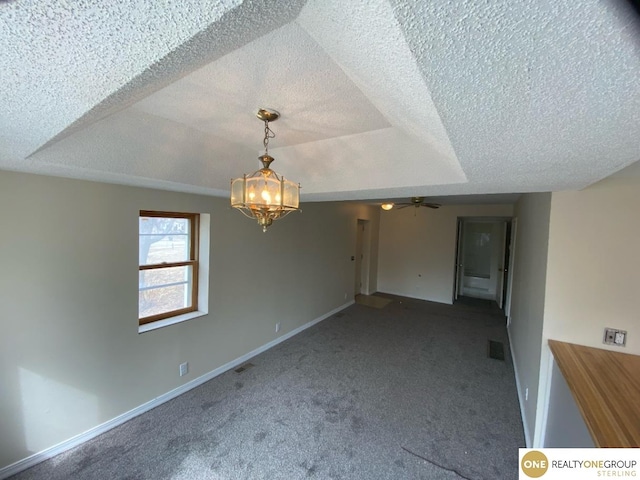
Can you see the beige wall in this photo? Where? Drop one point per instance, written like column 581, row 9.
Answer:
column 71, row 356
column 594, row 264
column 528, row 298
column 592, row 272
column 418, row 247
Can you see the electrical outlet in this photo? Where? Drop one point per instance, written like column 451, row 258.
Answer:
column 184, row 369
column 526, row 394
column 615, row 337
column 621, row 338
column 277, row 327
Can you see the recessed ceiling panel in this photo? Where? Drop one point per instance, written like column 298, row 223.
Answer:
column 285, row 70
column 366, row 163
column 367, row 41
column 170, row 152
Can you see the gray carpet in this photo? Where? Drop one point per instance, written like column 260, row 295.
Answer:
column 404, row 392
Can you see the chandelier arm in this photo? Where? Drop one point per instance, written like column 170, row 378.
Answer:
column 243, row 210
column 288, row 210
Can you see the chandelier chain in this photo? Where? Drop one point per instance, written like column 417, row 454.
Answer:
column 268, row 133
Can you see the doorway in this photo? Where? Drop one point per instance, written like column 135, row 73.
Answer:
column 362, row 258
column 482, row 265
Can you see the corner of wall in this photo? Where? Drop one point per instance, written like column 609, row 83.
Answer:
column 527, row 304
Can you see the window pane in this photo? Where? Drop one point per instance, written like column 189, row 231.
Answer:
column 164, row 289
column 163, row 240
column 477, row 250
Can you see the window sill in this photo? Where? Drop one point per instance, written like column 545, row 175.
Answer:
column 147, row 327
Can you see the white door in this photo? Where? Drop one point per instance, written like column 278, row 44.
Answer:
column 477, row 243
column 482, row 257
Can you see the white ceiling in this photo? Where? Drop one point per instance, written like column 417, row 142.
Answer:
column 379, row 99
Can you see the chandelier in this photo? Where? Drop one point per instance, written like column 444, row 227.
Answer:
column 264, row 195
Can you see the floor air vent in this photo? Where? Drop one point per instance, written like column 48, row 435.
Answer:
column 495, row 350
column 244, row 367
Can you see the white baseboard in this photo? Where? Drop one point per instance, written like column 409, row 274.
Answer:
column 50, row 452
column 413, row 297
column 527, row 434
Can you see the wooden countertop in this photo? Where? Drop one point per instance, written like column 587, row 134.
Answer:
column 606, row 387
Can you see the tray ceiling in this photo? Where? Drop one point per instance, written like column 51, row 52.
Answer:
column 379, row 99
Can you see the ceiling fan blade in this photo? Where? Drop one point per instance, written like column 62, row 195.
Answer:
column 416, row 204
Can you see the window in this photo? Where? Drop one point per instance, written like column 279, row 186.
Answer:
column 168, row 265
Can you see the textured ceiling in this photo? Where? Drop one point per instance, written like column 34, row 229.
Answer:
column 379, row 99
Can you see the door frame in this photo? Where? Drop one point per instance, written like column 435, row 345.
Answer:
column 512, row 258
column 459, row 258
column 362, row 267
column 458, row 265
column 503, row 269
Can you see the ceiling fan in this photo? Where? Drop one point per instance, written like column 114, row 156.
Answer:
column 414, row 201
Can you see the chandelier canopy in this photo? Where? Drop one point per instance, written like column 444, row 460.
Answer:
column 264, row 195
